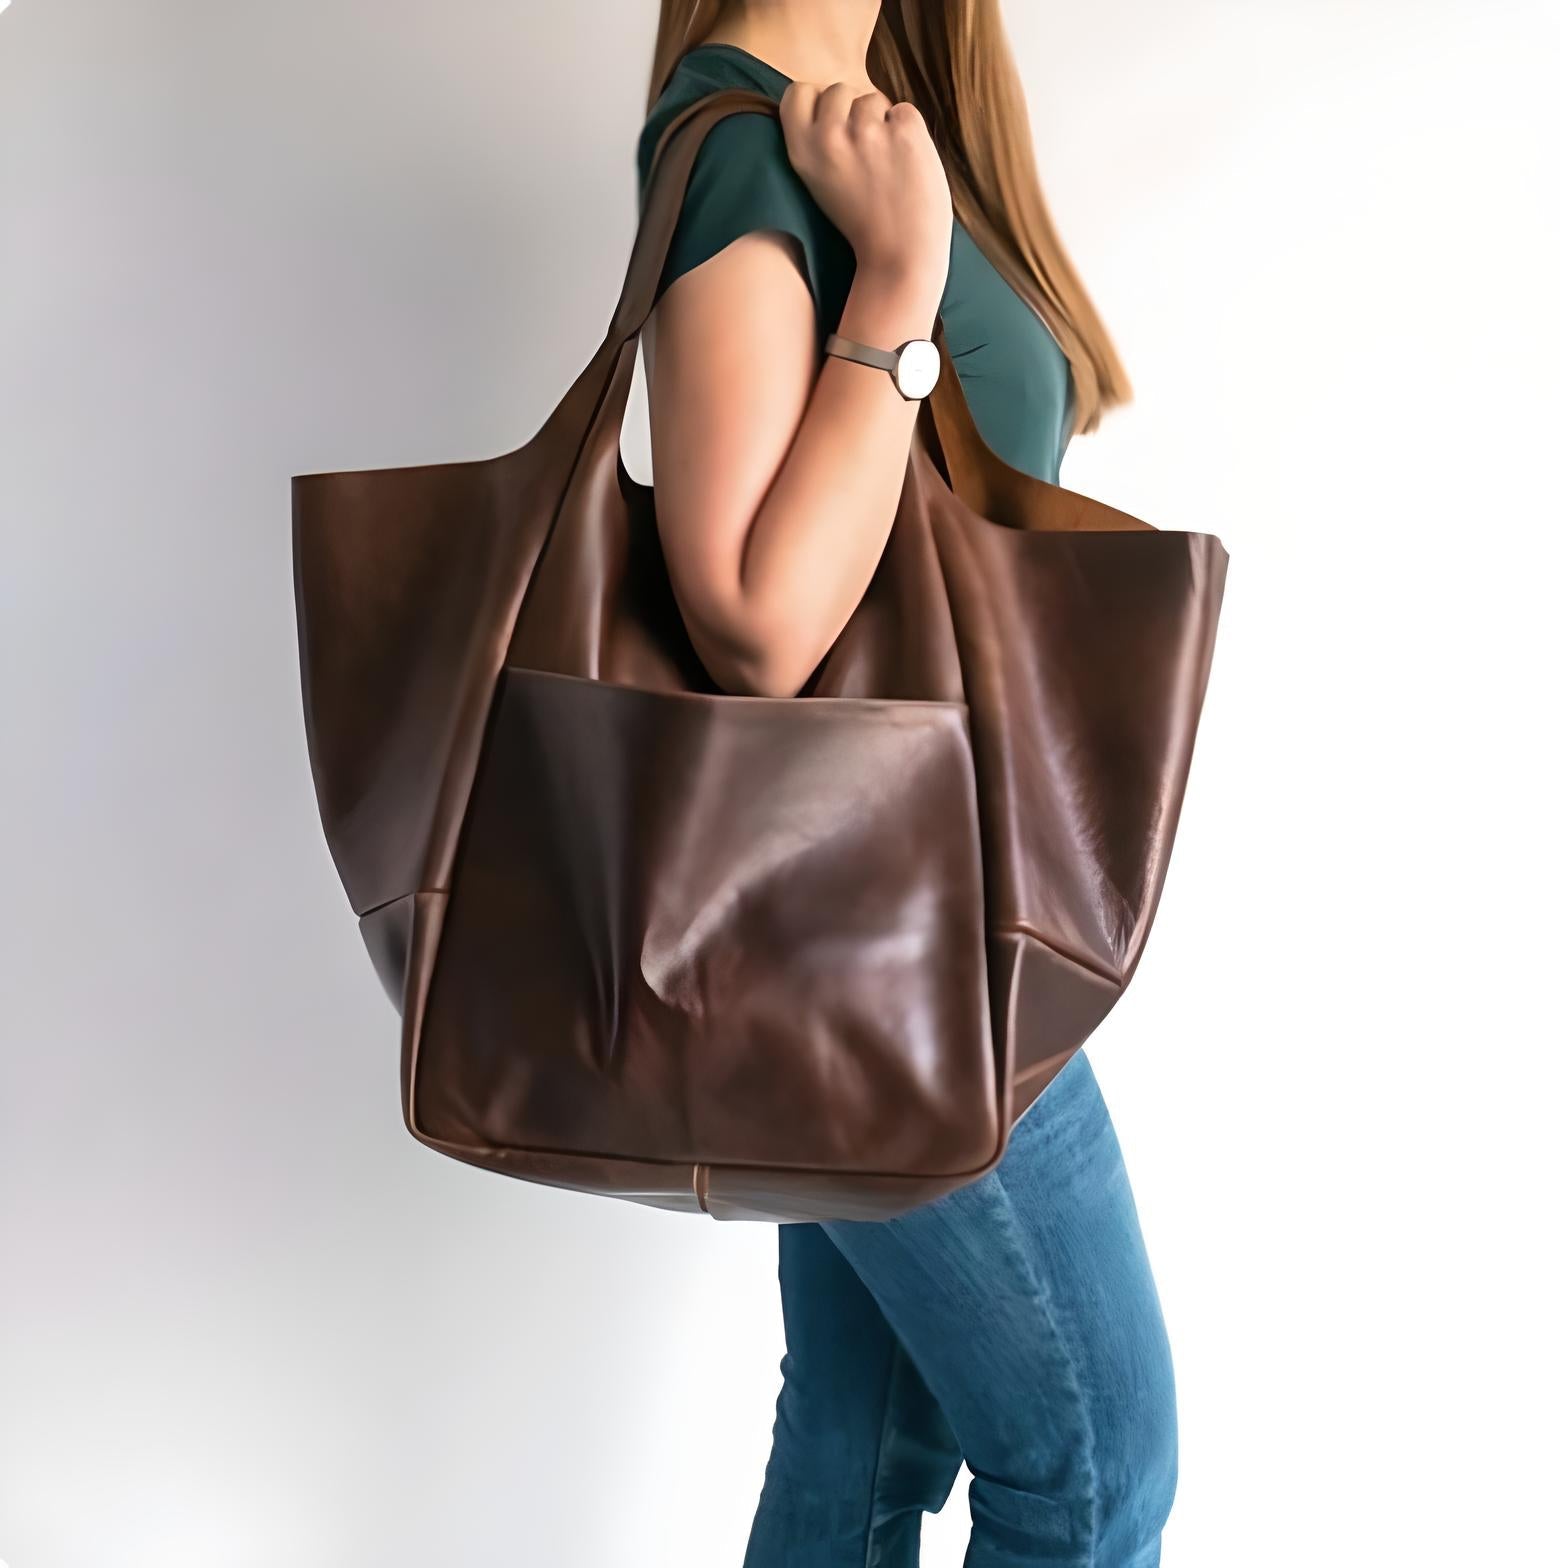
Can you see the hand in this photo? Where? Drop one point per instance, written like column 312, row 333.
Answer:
column 872, row 167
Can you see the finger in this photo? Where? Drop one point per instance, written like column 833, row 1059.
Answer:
column 870, row 107
column 797, row 104
column 832, row 110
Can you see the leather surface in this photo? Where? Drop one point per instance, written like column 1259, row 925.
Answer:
column 763, row 958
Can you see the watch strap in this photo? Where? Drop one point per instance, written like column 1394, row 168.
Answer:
column 863, row 353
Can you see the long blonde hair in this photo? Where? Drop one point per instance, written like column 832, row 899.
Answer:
column 951, row 59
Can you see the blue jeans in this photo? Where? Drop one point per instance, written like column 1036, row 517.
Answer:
column 1011, row 1324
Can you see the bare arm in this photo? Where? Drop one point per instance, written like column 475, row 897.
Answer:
column 777, row 479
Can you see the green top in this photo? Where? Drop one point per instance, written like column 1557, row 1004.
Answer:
column 1015, row 376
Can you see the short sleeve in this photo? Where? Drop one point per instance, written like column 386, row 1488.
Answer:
column 742, row 181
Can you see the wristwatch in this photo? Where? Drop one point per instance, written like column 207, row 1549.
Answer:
column 914, row 365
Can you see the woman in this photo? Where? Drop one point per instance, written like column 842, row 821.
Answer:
column 1012, row 1324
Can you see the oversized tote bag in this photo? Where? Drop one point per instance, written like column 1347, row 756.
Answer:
column 765, row 958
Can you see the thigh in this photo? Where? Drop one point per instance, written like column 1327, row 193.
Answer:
column 1027, row 1302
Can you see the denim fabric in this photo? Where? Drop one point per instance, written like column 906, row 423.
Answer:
column 1012, row 1324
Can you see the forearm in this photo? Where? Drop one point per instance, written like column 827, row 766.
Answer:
column 817, row 539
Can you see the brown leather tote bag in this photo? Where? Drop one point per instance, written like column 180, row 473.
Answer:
column 765, row 958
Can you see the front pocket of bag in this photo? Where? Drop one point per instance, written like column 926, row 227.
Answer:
column 724, row 929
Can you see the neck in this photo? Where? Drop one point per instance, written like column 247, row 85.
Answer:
column 808, row 40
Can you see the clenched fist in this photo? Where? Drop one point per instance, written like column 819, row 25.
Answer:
column 872, row 167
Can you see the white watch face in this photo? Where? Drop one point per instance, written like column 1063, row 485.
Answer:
column 919, row 363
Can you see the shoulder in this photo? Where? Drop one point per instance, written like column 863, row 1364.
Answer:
column 741, row 181
column 747, row 142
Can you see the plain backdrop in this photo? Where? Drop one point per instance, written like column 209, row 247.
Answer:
column 245, row 1318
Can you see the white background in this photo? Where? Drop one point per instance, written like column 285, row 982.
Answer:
column 246, row 1318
